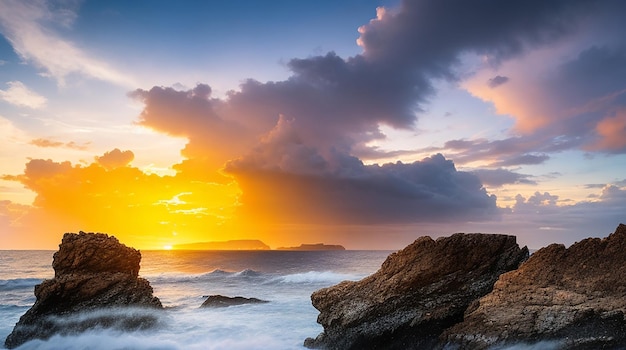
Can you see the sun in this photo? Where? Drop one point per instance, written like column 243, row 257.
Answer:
column 167, row 247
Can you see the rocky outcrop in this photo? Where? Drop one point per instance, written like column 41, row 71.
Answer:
column 223, row 301
column 93, row 272
column 574, row 296
column 416, row 294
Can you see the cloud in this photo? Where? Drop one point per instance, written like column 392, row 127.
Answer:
column 115, row 159
column 497, row 81
column 500, row 177
column 514, row 151
column 41, row 142
column 428, row 36
column 611, row 131
column 577, row 100
column 544, row 218
column 111, row 196
column 522, row 159
column 292, row 145
column 348, row 192
column 288, row 145
column 20, row 95
column 46, row 143
column 29, row 27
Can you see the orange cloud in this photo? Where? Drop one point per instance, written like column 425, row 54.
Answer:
column 50, row 143
column 115, row 159
column 146, row 210
column 46, row 143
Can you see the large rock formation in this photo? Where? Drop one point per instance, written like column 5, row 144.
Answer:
column 92, row 272
column 416, row 294
column 574, row 296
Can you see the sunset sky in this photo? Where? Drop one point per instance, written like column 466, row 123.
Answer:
column 361, row 123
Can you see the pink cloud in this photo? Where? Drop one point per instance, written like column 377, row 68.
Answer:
column 612, row 133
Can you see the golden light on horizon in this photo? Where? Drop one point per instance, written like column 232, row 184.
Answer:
column 139, row 208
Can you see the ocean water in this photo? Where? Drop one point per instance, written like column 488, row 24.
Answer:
column 183, row 279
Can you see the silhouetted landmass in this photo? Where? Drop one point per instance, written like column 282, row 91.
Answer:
column 241, row 244
column 318, row 246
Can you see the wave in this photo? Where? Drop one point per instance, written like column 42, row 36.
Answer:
column 315, row 277
column 310, row 277
column 203, row 277
column 18, row 283
column 110, row 339
column 248, row 273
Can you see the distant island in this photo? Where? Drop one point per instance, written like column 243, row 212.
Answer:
column 241, row 244
column 318, row 246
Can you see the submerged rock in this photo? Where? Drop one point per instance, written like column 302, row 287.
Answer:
column 93, row 272
column 416, row 294
column 223, row 301
column 574, row 296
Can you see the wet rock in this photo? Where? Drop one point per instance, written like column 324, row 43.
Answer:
column 416, row 294
column 93, row 272
column 574, row 296
column 223, row 301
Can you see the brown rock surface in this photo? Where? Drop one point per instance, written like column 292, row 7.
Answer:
column 94, row 253
column 416, row 294
column 574, row 296
column 92, row 271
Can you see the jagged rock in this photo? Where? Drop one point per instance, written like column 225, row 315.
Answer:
column 416, row 294
column 94, row 253
column 574, row 296
column 93, row 272
column 223, row 301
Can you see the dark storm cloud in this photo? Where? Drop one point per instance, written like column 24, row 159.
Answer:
column 431, row 190
column 598, row 71
column 497, row 81
column 501, row 177
column 429, row 35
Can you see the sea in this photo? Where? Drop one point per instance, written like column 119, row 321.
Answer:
column 182, row 280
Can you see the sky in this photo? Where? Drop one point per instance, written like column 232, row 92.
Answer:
column 361, row 123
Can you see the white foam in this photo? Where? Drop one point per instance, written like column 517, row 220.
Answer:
column 327, row 277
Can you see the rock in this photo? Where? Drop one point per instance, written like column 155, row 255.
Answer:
column 223, row 301
column 416, row 294
column 574, row 296
column 94, row 253
column 93, row 272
